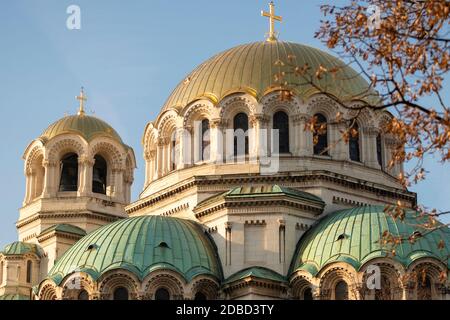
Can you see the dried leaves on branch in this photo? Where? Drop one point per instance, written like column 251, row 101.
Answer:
column 402, row 49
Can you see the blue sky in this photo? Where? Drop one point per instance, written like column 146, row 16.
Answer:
column 128, row 56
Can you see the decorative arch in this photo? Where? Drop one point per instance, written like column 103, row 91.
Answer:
column 170, row 281
column 273, row 102
column 167, row 124
column 324, row 105
column 300, row 284
column 75, row 283
column 108, row 150
column 332, row 275
column 115, row 279
column 419, row 272
column 150, row 139
column 236, row 103
column 197, row 111
column 66, row 144
column 205, row 286
column 48, row 292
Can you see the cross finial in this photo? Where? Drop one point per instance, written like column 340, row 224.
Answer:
column 82, row 98
column 272, row 17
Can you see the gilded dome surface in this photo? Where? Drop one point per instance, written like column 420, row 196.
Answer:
column 353, row 236
column 252, row 67
column 88, row 127
column 142, row 245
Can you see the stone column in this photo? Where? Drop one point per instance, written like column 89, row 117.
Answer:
column 369, row 147
column 29, row 184
column 119, row 194
column 50, row 185
column 85, row 167
column 391, row 144
column 339, row 149
column 159, row 158
column 257, row 144
column 215, row 141
column 302, row 137
column 184, row 147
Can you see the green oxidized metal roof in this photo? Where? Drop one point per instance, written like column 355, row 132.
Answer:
column 256, row 272
column 353, row 236
column 88, row 127
column 66, row 228
column 14, row 297
column 19, row 248
column 251, row 68
column 255, row 191
column 141, row 245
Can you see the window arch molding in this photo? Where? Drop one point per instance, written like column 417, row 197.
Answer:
column 171, row 281
column 115, row 279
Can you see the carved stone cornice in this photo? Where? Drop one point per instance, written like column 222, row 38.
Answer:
column 47, row 163
column 86, row 161
column 301, row 117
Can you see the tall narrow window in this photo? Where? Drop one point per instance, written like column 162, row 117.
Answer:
column 341, row 291
column 354, row 143
column 162, row 294
column 320, row 136
column 99, row 174
column 120, row 294
column 281, row 123
column 200, row 296
column 173, row 152
column 240, row 125
column 29, row 271
column 69, row 173
column 424, row 291
column 83, row 295
column 307, row 294
column 379, row 151
column 205, row 140
column 1, row 273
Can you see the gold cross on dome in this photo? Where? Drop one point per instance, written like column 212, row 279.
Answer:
column 82, row 98
column 272, row 17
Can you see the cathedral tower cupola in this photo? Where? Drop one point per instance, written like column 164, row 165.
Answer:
column 79, row 173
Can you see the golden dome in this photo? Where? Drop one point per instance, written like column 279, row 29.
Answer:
column 252, row 67
column 88, row 127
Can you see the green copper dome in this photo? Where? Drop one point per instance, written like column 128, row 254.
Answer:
column 252, row 67
column 88, row 127
column 20, row 248
column 353, row 236
column 142, row 245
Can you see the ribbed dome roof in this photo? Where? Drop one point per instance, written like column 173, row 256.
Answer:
column 88, row 127
column 251, row 68
column 142, row 245
column 353, row 236
column 20, row 248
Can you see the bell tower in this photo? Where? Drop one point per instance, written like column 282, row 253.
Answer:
column 78, row 178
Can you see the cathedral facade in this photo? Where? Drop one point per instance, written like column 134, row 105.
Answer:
column 239, row 201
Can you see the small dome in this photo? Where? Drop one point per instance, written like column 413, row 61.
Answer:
column 20, row 248
column 251, row 68
column 88, row 127
column 353, row 236
column 142, row 245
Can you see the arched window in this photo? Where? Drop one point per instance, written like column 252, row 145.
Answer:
column 281, row 123
column 307, row 294
column 320, row 135
column 162, row 294
column 385, row 292
column 353, row 143
column 29, row 271
column 100, row 172
column 120, row 294
column 83, row 295
column 379, row 151
column 424, row 290
column 240, row 126
column 69, row 173
column 341, row 291
column 173, row 152
column 200, row 296
column 205, row 140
